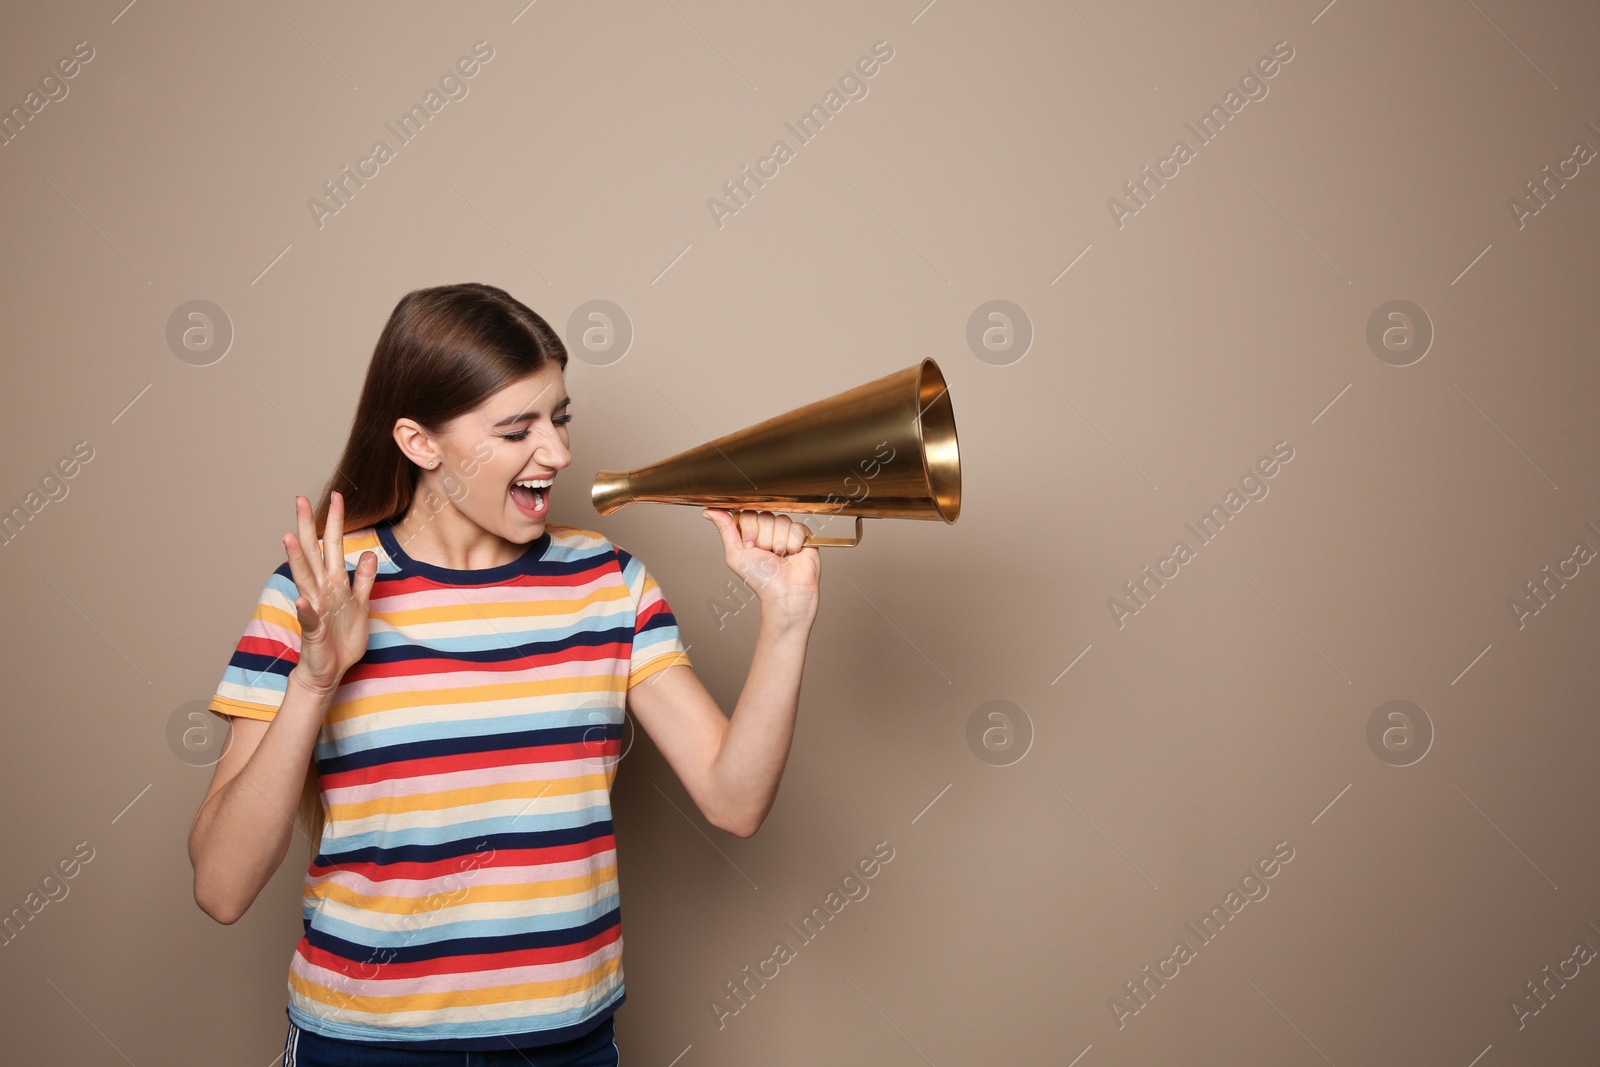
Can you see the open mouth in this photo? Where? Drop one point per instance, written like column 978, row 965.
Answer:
column 532, row 497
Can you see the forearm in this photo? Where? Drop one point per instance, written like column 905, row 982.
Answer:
column 750, row 762
column 242, row 833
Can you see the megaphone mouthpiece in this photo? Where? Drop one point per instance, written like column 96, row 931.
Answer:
column 612, row 490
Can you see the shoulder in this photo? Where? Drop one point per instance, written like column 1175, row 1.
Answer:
column 362, row 540
column 280, row 589
column 575, row 537
column 572, row 544
column 357, row 542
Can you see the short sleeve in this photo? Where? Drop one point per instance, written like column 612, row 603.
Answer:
column 656, row 643
column 257, row 676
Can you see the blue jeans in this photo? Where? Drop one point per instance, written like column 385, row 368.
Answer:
column 597, row 1048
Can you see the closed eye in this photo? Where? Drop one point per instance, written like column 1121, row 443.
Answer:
column 522, row 435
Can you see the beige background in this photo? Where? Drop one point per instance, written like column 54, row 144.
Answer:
column 1229, row 314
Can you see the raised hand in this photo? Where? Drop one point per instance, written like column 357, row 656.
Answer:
column 770, row 553
column 332, row 613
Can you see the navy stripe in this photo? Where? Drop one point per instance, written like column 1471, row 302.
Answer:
column 657, row 621
column 455, row 746
column 449, row 850
column 257, row 663
column 502, row 653
column 461, row 946
column 600, row 562
column 597, row 562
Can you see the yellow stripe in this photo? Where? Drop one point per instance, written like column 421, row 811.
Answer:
column 455, row 798
column 277, row 616
column 458, row 611
column 227, row 706
column 472, row 694
column 478, row 894
column 454, row 998
column 658, row 663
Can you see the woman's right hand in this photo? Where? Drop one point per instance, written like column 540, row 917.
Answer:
column 333, row 614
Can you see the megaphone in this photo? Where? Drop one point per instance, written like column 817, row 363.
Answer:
column 886, row 450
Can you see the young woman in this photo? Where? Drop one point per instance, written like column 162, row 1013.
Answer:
column 441, row 690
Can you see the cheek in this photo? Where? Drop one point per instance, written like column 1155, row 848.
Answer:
column 500, row 460
column 481, row 474
column 456, row 487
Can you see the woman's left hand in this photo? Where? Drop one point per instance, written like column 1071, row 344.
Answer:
column 769, row 552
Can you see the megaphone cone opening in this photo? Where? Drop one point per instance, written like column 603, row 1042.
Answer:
column 936, row 428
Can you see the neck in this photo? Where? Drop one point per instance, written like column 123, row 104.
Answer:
column 450, row 539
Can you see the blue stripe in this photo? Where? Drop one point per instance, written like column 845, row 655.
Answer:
column 386, row 646
column 475, row 830
column 586, row 715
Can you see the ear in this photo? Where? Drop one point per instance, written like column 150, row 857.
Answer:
column 415, row 443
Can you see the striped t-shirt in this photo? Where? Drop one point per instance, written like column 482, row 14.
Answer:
column 464, row 895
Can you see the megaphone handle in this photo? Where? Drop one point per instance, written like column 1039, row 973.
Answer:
column 838, row 542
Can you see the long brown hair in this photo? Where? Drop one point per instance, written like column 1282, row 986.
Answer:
column 443, row 352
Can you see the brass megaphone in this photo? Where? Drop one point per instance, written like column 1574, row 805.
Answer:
column 886, row 450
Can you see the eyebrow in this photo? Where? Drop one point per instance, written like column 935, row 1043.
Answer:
column 529, row 415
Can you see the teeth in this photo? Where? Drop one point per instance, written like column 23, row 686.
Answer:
column 536, row 483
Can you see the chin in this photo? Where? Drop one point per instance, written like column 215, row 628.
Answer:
column 523, row 522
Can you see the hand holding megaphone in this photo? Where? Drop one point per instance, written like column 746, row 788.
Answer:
column 886, row 449
column 772, row 554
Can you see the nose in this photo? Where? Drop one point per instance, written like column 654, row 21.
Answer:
column 552, row 452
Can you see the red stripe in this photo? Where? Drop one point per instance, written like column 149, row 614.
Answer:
column 463, row 865
column 658, row 608
column 597, row 749
column 264, row 646
column 442, row 665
